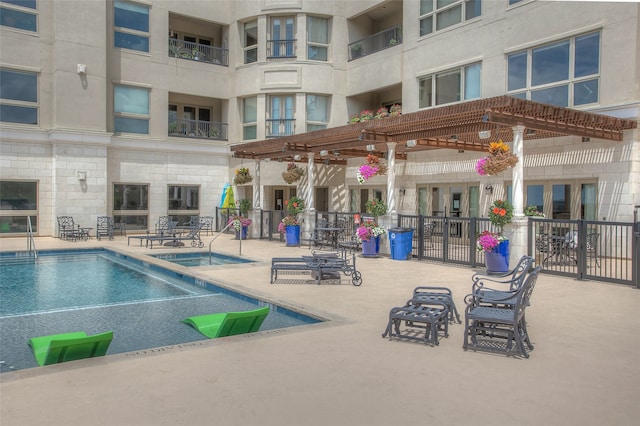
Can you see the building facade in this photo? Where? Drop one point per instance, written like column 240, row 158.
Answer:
column 129, row 108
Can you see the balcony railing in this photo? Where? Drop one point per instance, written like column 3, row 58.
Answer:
column 281, row 49
column 280, row 127
column 375, row 43
column 198, row 52
column 198, row 129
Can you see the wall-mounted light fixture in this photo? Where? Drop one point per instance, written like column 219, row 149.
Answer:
column 488, row 189
column 81, row 175
column 484, row 134
column 371, row 147
column 411, row 143
column 324, row 153
column 402, row 191
column 81, row 69
column 297, row 157
column 461, row 151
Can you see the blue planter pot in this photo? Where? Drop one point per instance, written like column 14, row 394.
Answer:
column 292, row 235
column 371, row 247
column 497, row 261
column 243, row 232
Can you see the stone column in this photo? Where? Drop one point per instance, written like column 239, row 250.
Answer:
column 517, row 172
column 391, row 177
column 311, row 178
column 517, row 230
column 256, row 186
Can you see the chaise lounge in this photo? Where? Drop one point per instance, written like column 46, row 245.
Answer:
column 228, row 324
column 64, row 347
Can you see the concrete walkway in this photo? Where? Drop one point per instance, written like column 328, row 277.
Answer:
column 585, row 369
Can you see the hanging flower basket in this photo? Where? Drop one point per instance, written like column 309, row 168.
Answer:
column 293, row 173
column 242, row 176
column 499, row 160
column 373, row 167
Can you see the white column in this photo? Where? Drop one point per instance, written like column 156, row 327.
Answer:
column 391, row 177
column 311, row 178
column 256, row 186
column 517, row 172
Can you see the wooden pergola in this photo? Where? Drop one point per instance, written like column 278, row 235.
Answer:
column 468, row 126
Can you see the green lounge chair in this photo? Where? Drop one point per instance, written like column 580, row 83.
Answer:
column 69, row 346
column 228, row 324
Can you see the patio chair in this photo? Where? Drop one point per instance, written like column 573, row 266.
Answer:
column 500, row 329
column 592, row 241
column 319, row 238
column 228, row 324
column 489, row 288
column 64, row 347
column 104, row 227
column 69, row 230
column 207, row 224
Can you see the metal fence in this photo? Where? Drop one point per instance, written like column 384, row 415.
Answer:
column 604, row 251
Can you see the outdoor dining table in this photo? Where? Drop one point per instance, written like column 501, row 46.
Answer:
column 559, row 249
column 333, row 233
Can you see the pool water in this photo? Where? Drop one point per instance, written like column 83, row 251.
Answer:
column 100, row 290
column 201, row 259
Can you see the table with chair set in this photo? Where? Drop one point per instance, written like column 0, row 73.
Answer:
column 69, row 230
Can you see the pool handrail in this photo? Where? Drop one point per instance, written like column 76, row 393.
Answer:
column 214, row 238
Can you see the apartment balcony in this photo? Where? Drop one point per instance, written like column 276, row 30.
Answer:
column 281, row 49
column 375, row 43
column 198, row 52
column 279, row 127
column 198, row 129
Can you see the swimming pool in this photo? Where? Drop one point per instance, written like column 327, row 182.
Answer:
column 200, row 259
column 101, row 290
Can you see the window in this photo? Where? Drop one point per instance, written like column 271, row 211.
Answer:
column 250, row 42
column 282, row 43
column 131, row 204
column 535, row 197
column 588, row 201
column 281, row 122
column 18, row 97
column 317, row 38
column 450, row 86
column 317, row 112
column 131, row 109
column 18, row 204
column 131, row 22
column 19, row 14
column 561, row 197
column 436, row 15
column 184, row 202
column 249, row 118
column 565, row 73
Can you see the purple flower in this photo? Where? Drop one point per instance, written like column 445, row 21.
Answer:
column 480, row 166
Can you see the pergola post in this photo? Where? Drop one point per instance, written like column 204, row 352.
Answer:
column 256, row 187
column 518, row 227
column 311, row 178
column 391, row 177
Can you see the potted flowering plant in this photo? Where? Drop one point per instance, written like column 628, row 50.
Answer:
column 369, row 231
column 289, row 224
column 242, row 176
column 533, row 211
column 494, row 245
column 498, row 160
column 366, row 231
column 240, row 224
column 373, row 167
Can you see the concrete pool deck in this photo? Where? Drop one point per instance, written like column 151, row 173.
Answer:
column 585, row 369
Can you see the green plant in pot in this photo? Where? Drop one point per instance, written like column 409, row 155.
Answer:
column 244, row 205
